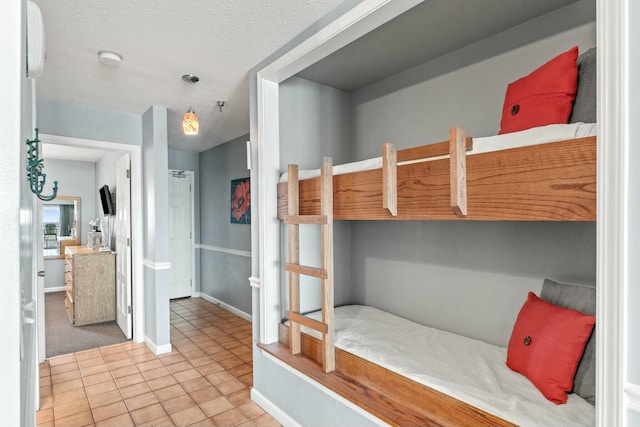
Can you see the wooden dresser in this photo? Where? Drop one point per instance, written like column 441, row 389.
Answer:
column 90, row 282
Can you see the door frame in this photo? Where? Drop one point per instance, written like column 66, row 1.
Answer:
column 192, row 175
column 615, row 395
column 136, row 227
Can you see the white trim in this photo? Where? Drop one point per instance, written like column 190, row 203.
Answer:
column 355, row 23
column 612, row 209
column 226, row 306
column 135, row 152
column 366, row 414
column 633, row 396
column 156, row 265
column 157, row 349
column 230, row 251
column 254, row 282
column 361, row 19
column 54, row 289
column 273, row 410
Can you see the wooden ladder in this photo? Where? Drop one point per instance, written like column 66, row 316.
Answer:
column 325, row 273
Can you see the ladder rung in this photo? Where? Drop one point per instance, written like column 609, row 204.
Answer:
column 305, row 219
column 320, row 273
column 310, row 323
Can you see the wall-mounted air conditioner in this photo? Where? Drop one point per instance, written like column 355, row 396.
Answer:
column 35, row 40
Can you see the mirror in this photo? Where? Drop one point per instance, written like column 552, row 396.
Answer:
column 60, row 225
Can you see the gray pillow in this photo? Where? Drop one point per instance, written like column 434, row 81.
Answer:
column 584, row 107
column 581, row 298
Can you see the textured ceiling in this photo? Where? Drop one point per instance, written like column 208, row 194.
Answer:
column 423, row 33
column 160, row 40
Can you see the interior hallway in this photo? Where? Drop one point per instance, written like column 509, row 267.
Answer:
column 204, row 381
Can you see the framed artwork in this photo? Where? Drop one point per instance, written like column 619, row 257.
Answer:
column 240, row 201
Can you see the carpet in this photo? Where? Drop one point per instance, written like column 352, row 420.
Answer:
column 62, row 337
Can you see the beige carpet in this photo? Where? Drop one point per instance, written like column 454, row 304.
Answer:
column 62, row 337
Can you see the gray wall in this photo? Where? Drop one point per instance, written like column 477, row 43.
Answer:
column 74, row 179
column 224, row 275
column 474, row 276
column 156, row 220
column 83, row 121
column 315, row 124
column 106, row 175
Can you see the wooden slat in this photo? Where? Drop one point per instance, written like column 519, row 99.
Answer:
column 395, row 399
column 389, row 179
column 545, row 182
column 304, row 219
column 457, row 171
column 326, row 209
column 294, row 256
column 309, row 323
column 429, row 150
column 320, row 273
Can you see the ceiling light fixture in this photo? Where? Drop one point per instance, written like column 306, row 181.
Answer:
column 190, row 125
column 109, row 58
column 220, row 105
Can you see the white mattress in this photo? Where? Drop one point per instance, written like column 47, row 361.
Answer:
column 533, row 136
column 467, row 369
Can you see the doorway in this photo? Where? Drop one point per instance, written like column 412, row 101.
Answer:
column 135, row 289
column 181, row 231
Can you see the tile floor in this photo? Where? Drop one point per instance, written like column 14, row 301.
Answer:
column 204, row 381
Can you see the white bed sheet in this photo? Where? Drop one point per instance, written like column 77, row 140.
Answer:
column 533, row 136
column 467, row 369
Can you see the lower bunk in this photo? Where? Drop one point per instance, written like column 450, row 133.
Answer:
column 409, row 374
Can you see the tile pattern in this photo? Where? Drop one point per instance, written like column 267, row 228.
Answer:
column 204, row 381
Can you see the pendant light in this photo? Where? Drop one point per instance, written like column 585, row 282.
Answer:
column 190, row 125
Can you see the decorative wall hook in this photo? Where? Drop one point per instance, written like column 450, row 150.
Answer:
column 36, row 178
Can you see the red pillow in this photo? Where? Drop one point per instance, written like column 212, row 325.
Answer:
column 546, row 345
column 543, row 97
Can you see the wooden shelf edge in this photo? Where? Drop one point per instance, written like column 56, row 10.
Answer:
column 387, row 395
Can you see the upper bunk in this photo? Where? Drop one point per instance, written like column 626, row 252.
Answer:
column 548, row 175
column 540, row 167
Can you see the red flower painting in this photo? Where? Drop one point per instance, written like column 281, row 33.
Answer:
column 240, row 201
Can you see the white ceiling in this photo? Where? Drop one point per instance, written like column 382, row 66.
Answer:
column 160, row 40
column 64, row 152
column 427, row 31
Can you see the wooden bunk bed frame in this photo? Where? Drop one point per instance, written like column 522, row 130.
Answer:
column 546, row 182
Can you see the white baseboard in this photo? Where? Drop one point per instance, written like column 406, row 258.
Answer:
column 54, row 289
column 273, row 410
column 224, row 305
column 157, row 349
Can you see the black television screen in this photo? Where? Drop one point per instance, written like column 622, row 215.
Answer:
column 107, row 203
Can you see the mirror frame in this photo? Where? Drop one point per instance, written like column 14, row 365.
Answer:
column 75, row 242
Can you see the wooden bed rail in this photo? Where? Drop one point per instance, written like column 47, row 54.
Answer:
column 397, row 400
column 458, row 171
column 554, row 181
column 455, row 148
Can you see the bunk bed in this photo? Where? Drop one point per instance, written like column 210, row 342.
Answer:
column 425, row 376
column 548, row 175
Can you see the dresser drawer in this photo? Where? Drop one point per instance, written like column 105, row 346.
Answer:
column 68, row 304
column 68, row 263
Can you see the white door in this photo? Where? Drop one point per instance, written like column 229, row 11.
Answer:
column 122, row 230
column 180, row 234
